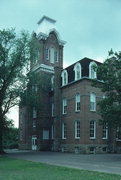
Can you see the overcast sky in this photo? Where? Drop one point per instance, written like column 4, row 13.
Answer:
column 90, row 27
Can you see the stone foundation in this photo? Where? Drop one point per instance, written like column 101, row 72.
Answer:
column 84, row 149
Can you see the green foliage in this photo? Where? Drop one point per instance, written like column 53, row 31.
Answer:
column 11, row 169
column 14, row 61
column 10, row 138
column 109, row 82
column 37, row 84
column 14, row 58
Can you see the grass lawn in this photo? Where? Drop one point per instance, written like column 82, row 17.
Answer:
column 13, row 169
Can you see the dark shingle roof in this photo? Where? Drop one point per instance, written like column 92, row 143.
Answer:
column 85, row 68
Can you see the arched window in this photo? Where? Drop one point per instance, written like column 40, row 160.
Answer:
column 92, row 70
column 52, row 55
column 77, row 69
column 64, row 76
column 92, row 102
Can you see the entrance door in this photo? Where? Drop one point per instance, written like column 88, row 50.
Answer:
column 34, row 142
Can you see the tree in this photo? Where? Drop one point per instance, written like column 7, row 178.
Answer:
column 14, row 58
column 109, row 81
column 10, row 135
column 38, row 84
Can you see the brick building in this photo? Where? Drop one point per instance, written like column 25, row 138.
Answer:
column 67, row 119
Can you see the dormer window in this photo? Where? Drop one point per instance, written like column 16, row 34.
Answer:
column 64, row 76
column 92, row 71
column 77, row 69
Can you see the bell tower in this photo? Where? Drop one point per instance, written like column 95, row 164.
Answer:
column 50, row 48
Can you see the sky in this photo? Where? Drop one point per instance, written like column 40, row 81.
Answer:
column 89, row 27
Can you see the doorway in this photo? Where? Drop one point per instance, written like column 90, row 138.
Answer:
column 34, row 142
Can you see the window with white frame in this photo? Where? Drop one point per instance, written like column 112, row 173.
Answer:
column 34, row 123
column 56, row 56
column 92, row 102
column 52, row 55
column 52, row 83
column 35, row 88
column 77, row 129
column 92, row 129
column 52, row 109
column 45, row 134
column 64, row 130
column 77, row 69
column 34, row 113
column 92, row 70
column 37, row 55
column 64, row 106
column 64, row 76
column 52, row 132
column 47, row 53
column 118, row 133
column 105, row 131
column 77, row 102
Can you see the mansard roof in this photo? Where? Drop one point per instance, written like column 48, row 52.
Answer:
column 84, row 66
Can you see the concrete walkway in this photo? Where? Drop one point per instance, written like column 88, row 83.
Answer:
column 109, row 163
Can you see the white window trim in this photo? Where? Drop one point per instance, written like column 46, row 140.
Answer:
column 52, row 55
column 52, row 83
column 34, row 113
column 64, row 104
column 90, row 70
column 106, row 129
column 63, row 131
column 45, row 134
column 77, row 110
column 62, row 75
column 76, row 137
column 94, row 129
column 52, row 132
column 47, row 53
column 56, row 56
column 93, row 96
column 52, row 109
column 75, row 69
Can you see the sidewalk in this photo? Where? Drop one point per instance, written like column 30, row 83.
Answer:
column 109, row 163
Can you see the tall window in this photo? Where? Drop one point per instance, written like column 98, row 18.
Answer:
column 47, row 53
column 34, row 123
column 77, row 129
column 77, row 102
column 52, row 83
column 64, row 130
column 34, row 113
column 64, row 106
column 77, row 69
column 118, row 133
column 92, row 129
column 105, row 131
column 64, row 76
column 56, row 56
column 52, row 132
column 92, row 102
column 52, row 109
column 34, row 88
column 52, row 55
column 92, row 70
column 45, row 134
